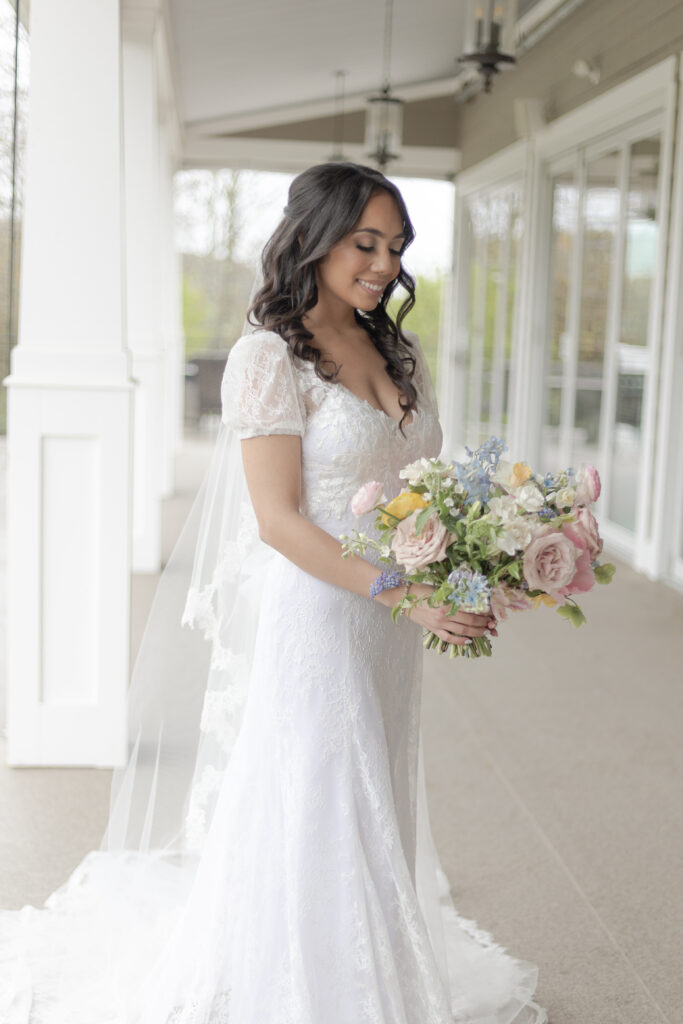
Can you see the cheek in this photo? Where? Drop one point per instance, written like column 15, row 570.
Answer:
column 348, row 265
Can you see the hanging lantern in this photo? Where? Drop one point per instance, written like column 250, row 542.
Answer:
column 486, row 54
column 384, row 127
column 384, row 116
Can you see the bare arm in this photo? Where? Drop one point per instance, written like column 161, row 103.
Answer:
column 272, row 466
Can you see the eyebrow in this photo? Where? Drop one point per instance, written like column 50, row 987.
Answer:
column 374, row 231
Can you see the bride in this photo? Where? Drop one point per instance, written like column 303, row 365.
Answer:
column 295, row 880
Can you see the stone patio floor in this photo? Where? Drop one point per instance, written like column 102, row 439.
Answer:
column 555, row 778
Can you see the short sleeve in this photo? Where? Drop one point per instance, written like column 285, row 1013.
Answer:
column 259, row 391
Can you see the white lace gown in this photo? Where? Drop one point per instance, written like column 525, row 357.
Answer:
column 315, row 900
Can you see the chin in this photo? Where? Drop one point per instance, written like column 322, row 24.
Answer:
column 370, row 302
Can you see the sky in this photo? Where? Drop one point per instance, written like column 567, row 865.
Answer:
column 264, row 194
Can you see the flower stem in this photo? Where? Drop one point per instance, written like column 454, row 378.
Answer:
column 479, row 648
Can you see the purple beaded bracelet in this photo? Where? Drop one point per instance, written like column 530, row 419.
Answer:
column 385, row 581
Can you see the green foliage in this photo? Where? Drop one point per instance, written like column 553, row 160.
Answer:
column 572, row 612
column 197, row 316
column 604, row 573
column 425, row 316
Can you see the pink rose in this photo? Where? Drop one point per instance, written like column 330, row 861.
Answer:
column 584, row 578
column 367, row 497
column 506, row 599
column 413, row 551
column 586, row 526
column 588, row 485
column 557, row 562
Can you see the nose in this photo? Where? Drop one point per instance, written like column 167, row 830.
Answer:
column 382, row 262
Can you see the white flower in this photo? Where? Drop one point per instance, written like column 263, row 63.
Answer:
column 502, row 473
column 427, row 495
column 413, row 472
column 504, row 508
column 515, row 536
column 564, row 498
column 448, row 502
column 529, row 497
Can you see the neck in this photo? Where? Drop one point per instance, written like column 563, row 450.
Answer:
column 330, row 315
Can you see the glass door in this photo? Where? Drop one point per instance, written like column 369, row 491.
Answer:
column 641, row 243
column 494, row 224
column 603, row 261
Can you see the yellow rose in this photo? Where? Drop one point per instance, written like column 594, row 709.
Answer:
column 544, row 599
column 402, row 505
column 520, row 474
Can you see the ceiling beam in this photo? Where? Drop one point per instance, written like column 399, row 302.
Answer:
column 293, row 156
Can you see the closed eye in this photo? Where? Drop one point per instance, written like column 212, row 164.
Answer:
column 371, row 248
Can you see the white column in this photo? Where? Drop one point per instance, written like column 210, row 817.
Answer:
column 70, row 405
column 143, row 280
column 171, row 308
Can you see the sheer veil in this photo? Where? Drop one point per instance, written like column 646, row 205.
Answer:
column 189, row 681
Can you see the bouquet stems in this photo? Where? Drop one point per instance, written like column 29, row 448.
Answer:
column 479, row 648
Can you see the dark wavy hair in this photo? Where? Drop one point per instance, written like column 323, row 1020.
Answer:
column 324, row 203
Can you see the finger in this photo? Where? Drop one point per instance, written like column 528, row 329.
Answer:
column 473, row 619
column 456, row 626
column 452, row 638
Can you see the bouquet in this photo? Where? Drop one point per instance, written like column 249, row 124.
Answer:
column 490, row 536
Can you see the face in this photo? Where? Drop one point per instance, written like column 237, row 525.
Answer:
column 358, row 268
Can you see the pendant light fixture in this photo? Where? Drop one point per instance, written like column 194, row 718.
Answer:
column 384, row 116
column 486, row 56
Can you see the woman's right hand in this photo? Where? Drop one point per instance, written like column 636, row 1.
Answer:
column 454, row 629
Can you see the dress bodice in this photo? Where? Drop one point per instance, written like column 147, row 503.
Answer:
column 345, row 441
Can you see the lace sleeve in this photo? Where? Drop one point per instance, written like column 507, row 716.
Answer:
column 422, row 378
column 259, row 391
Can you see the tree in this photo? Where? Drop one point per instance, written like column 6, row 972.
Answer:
column 425, row 317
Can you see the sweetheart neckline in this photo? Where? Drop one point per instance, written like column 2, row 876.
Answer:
column 364, row 401
column 305, row 363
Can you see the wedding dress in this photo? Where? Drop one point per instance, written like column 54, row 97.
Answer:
column 318, row 897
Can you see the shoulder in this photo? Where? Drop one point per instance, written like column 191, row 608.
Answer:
column 259, row 345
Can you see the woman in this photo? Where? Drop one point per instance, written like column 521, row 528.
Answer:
column 316, row 899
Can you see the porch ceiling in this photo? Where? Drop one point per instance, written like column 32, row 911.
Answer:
column 256, row 78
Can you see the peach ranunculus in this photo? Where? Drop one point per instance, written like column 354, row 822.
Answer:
column 586, row 525
column 414, row 551
column 558, row 563
column 367, row 497
column 505, row 598
column 402, row 505
column 511, row 475
column 588, row 485
column 520, row 474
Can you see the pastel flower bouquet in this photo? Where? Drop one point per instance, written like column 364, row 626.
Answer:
column 488, row 535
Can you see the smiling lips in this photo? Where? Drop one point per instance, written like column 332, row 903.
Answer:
column 374, row 289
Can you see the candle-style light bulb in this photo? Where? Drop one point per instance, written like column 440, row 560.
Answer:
column 495, row 27
column 480, row 27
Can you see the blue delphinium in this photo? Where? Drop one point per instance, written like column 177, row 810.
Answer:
column 475, row 476
column 471, row 590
